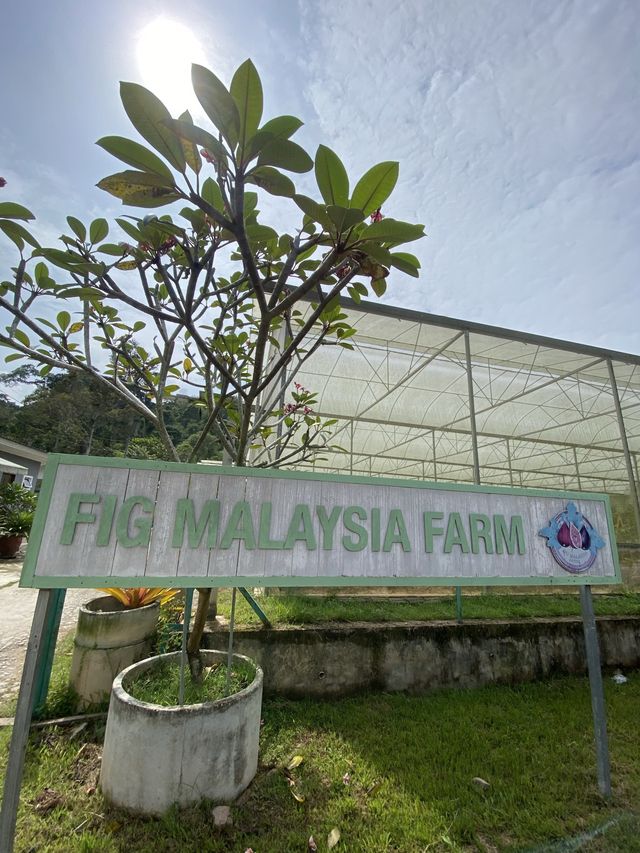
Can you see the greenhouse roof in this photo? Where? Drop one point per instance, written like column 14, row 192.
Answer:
column 545, row 409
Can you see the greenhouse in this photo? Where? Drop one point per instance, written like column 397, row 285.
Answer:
column 439, row 399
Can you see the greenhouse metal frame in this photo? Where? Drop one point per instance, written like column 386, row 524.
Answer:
column 440, row 399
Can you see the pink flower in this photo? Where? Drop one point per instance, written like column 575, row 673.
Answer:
column 3, row 182
column 206, row 156
column 376, row 216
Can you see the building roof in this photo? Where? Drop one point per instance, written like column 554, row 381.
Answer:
column 11, row 467
column 8, row 446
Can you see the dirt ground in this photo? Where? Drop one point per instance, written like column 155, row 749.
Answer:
column 16, row 612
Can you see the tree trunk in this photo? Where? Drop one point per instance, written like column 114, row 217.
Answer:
column 195, row 638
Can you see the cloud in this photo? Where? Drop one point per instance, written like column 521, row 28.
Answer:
column 517, row 132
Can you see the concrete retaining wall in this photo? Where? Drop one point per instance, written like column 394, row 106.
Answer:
column 329, row 661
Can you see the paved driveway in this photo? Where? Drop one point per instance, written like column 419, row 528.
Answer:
column 16, row 613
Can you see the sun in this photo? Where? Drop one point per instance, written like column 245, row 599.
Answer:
column 165, row 51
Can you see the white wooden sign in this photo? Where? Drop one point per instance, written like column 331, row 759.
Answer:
column 110, row 522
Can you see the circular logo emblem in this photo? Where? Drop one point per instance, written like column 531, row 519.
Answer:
column 573, row 540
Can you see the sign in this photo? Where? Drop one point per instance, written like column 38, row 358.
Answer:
column 115, row 522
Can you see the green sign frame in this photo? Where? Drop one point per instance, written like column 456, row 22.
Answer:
column 37, row 545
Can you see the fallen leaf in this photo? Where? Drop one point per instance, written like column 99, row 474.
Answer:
column 296, row 796
column 313, row 847
column 346, row 779
column 46, row 800
column 481, row 783
column 333, row 838
column 90, row 789
column 373, row 789
column 296, row 761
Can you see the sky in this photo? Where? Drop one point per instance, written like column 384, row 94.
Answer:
column 516, row 125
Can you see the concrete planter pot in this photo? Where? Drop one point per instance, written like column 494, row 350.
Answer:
column 109, row 638
column 156, row 756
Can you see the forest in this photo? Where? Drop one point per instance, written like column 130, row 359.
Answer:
column 64, row 413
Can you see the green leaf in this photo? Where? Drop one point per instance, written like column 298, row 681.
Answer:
column 282, row 127
column 13, row 356
column 331, row 176
column 212, row 194
column 139, row 188
column 246, row 91
column 377, row 252
column 250, row 203
column 111, row 249
column 64, row 260
column 272, row 181
column 77, row 227
column 98, row 230
column 406, row 263
column 41, row 272
column 379, row 286
column 375, row 187
column 130, row 229
column 151, row 119
column 198, row 136
column 22, row 337
column 11, row 210
column 285, row 154
column 393, row 231
column 217, row 103
column 191, row 153
column 63, row 318
column 134, row 154
column 261, row 233
column 344, row 218
column 316, row 211
column 18, row 234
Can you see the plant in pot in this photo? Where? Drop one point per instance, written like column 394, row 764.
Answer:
column 17, row 507
column 113, row 632
column 209, row 300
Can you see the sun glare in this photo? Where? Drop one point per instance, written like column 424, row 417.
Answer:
column 166, row 50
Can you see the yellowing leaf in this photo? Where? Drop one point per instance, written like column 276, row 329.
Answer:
column 296, row 796
column 296, row 761
column 333, row 838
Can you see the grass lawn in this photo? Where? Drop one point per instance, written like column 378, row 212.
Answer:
column 301, row 609
column 391, row 772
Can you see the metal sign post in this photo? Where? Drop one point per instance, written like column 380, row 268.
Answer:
column 36, row 649
column 597, row 692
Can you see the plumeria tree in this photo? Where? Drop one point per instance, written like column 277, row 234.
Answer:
column 208, row 299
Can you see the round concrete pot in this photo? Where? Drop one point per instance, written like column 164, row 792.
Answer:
column 156, row 756
column 109, row 638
